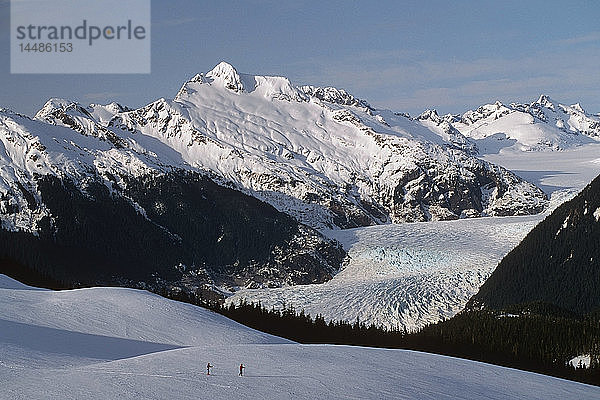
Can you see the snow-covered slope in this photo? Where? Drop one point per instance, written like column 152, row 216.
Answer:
column 124, row 314
column 324, row 156
column 541, row 125
column 125, row 344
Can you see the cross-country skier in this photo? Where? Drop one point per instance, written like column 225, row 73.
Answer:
column 208, row 367
column 242, row 369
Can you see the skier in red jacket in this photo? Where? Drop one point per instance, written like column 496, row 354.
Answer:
column 242, row 369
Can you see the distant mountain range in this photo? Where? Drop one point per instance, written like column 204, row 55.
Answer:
column 541, row 125
column 318, row 154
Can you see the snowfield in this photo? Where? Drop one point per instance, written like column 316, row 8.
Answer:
column 106, row 343
column 555, row 172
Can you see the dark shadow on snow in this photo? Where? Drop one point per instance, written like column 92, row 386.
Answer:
column 59, row 341
column 536, row 177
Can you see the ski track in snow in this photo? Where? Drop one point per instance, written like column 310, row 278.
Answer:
column 34, row 365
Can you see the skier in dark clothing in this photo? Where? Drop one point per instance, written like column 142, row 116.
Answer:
column 208, row 367
column 242, row 369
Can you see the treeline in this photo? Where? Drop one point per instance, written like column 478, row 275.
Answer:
column 534, row 342
column 530, row 342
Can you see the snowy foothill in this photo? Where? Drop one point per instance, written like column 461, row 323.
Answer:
column 112, row 343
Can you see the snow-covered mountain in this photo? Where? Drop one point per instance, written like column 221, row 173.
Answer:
column 542, row 125
column 319, row 154
column 107, row 208
column 316, row 153
column 110, row 343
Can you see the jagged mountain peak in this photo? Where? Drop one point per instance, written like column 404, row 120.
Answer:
column 444, row 128
column 493, row 107
column 88, row 121
column 430, row 114
column 545, row 101
column 55, row 104
column 494, row 110
column 226, row 75
column 542, row 125
column 64, row 112
column 578, row 108
column 58, row 111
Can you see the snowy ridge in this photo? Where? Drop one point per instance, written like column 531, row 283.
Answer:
column 78, row 118
column 106, row 343
column 76, row 147
column 446, row 130
column 226, row 75
column 334, row 95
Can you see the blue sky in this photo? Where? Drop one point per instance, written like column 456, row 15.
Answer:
column 402, row 55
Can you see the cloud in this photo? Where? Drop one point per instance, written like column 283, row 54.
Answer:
column 590, row 37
